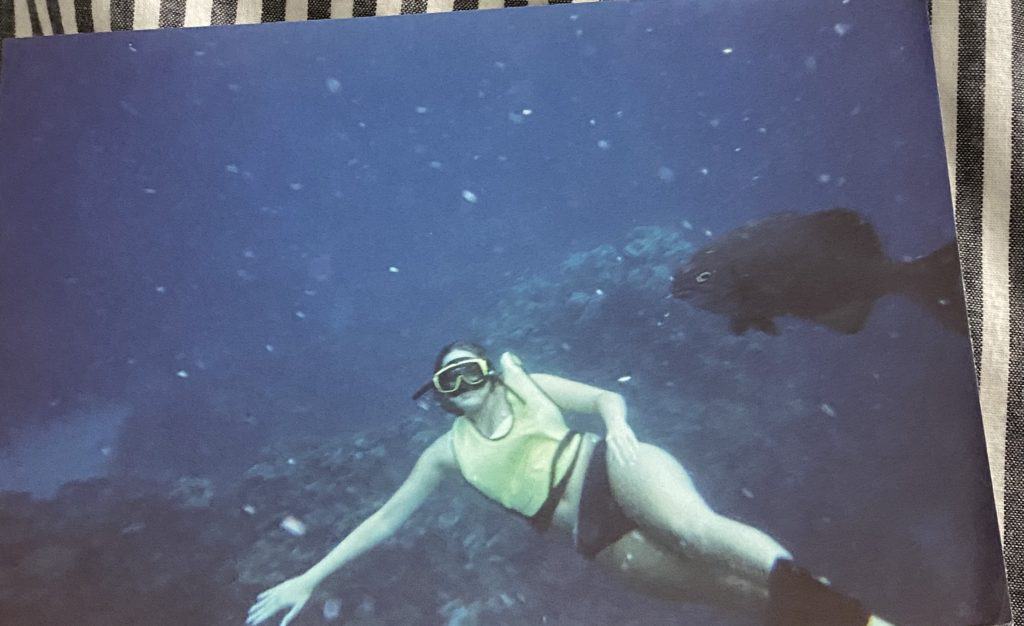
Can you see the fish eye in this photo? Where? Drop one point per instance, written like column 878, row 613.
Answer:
column 703, row 277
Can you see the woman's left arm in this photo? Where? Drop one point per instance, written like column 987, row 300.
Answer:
column 577, row 397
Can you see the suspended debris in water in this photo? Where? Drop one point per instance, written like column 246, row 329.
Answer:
column 293, row 526
column 625, row 379
column 603, row 144
column 469, row 196
column 748, row 493
column 250, row 509
column 841, row 28
column 827, row 409
column 231, row 167
column 182, row 374
column 726, row 50
column 421, row 110
column 393, row 269
column 333, row 85
column 300, row 315
column 332, row 609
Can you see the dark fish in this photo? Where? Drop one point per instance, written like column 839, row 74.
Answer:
column 827, row 267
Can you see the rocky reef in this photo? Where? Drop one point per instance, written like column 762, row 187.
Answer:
column 759, row 430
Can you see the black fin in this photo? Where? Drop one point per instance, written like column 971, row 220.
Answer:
column 934, row 282
column 849, row 318
column 798, row 599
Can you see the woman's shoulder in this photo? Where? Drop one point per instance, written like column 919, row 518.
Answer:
column 441, row 453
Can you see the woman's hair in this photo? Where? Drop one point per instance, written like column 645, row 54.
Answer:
column 468, row 346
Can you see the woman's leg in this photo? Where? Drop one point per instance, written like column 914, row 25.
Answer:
column 660, row 496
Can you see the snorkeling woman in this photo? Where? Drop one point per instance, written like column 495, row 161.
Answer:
column 630, row 506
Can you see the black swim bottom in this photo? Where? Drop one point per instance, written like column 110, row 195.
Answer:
column 600, row 521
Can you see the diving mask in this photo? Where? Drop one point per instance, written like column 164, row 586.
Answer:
column 458, row 377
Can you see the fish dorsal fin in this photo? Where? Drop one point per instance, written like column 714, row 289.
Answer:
column 849, row 318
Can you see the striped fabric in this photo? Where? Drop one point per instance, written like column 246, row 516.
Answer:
column 24, row 18
column 979, row 56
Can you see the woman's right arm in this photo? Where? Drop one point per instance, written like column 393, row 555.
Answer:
column 432, row 466
column 435, row 462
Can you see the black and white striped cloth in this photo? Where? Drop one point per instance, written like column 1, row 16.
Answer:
column 979, row 58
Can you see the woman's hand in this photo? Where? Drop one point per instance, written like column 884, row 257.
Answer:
column 622, row 443
column 294, row 593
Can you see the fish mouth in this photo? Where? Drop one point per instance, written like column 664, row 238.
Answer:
column 680, row 288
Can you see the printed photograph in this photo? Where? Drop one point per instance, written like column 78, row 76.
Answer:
column 619, row 313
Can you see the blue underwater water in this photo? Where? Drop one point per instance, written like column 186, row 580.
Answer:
column 218, row 242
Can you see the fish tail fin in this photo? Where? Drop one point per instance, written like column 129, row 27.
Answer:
column 934, row 282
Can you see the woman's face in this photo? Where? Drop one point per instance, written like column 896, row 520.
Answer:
column 472, row 399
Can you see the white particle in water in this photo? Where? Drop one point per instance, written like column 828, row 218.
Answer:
column 603, row 144
column 841, row 28
column 421, row 110
column 295, row 186
column 332, row 609
column 827, row 409
column 625, row 379
column 294, row 526
column 726, row 50
column 300, row 315
column 333, row 85
column 393, row 269
column 182, row 374
column 469, row 196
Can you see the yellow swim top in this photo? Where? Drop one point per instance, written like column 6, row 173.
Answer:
column 515, row 468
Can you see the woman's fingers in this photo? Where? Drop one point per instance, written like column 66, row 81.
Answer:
column 623, row 446
column 291, row 614
column 262, row 609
